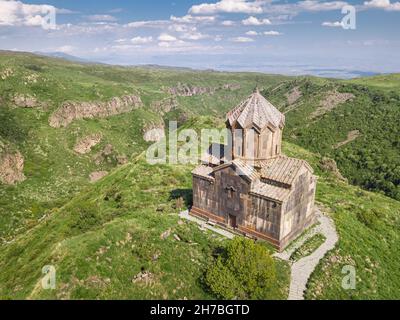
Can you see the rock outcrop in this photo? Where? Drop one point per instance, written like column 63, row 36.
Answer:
column 97, row 175
column 165, row 105
column 154, row 132
column 11, row 166
column 188, row 90
column 351, row 136
column 231, row 86
column 85, row 145
column 330, row 102
column 71, row 111
column 329, row 165
column 25, row 101
column 293, row 95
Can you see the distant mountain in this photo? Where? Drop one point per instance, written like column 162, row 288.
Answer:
column 63, row 55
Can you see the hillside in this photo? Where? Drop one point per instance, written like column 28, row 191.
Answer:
column 115, row 229
column 357, row 125
column 65, row 125
column 35, row 88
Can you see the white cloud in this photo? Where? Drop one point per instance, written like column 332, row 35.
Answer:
column 383, row 4
column 253, row 21
column 164, row 37
column 252, row 33
column 16, row 13
column 335, row 24
column 193, row 19
column 182, row 28
column 315, row 5
column 101, row 17
column 272, row 33
column 193, row 36
column 147, row 24
column 228, row 6
column 242, row 39
column 228, row 23
column 141, row 40
column 66, row 11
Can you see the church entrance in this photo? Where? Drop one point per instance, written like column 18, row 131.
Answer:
column 232, row 221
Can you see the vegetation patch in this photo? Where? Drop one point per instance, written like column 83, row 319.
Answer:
column 308, row 247
column 244, row 270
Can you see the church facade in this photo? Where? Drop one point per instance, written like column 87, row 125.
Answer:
column 251, row 187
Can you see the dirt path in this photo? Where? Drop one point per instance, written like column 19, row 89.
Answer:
column 303, row 268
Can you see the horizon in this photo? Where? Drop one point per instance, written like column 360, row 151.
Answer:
column 310, row 37
column 350, row 74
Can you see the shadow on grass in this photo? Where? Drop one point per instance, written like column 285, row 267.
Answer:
column 185, row 194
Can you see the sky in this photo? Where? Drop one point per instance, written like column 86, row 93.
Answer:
column 326, row 38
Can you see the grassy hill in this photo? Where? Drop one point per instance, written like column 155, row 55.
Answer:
column 357, row 125
column 101, row 235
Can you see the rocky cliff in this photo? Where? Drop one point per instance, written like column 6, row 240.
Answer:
column 188, row 90
column 71, row 111
column 11, row 166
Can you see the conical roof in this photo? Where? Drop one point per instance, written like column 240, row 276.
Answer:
column 256, row 111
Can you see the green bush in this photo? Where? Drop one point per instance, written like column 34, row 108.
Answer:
column 245, row 271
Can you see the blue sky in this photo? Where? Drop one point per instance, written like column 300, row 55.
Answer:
column 290, row 37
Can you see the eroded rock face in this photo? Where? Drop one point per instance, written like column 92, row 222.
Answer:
column 330, row 165
column 25, row 101
column 293, row 95
column 71, row 111
column 231, row 86
column 154, row 132
column 330, row 102
column 11, row 167
column 97, row 175
column 85, row 145
column 165, row 105
column 188, row 90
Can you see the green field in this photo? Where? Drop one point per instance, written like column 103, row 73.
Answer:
column 99, row 236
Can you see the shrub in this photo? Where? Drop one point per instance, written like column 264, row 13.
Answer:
column 244, row 271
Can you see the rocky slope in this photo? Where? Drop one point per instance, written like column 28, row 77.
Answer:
column 11, row 166
column 71, row 111
column 84, row 145
column 188, row 90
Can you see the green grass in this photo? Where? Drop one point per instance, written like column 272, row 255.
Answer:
column 388, row 82
column 111, row 232
column 308, row 247
column 98, row 246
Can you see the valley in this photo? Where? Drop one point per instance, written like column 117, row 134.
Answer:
column 76, row 191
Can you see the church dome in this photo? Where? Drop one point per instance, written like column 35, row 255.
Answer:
column 256, row 111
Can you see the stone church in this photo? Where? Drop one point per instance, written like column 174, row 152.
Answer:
column 250, row 187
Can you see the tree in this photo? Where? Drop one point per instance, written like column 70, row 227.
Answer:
column 245, row 271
